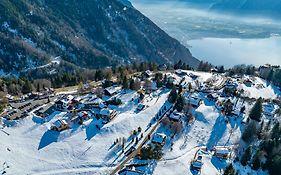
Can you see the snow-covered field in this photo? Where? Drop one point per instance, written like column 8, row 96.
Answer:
column 29, row 147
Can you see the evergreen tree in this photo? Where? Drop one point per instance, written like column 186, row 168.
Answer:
column 27, row 87
column 173, row 95
column 38, row 87
column 158, row 79
column 276, row 131
column 276, row 165
column 228, row 107
column 125, row 83
column 189, row 87
column 270, row 75
column 221, row 69
column 247, row 156
column 180, row 103
column 180, row 89
column 250, row 132
column 132, row 81
column 229, row 170
column 256, row 162
column 256, row 111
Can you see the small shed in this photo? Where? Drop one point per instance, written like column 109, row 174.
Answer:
column 60, row 125
column 159, row 138
column 175, row 116
column 269, row 109
column 111, row 91
column 222, row 152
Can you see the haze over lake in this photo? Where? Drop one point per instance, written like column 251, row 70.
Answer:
column 218, row 38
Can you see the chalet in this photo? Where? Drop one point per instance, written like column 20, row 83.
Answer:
column 248, row 82
column 195, row 101
column 60, row 125
column 197, row 164
column 214, row 70
column 154, row 86
column 194, row 77
column 128, row 171
column 111, row 91
column 147, row 74
column 222, row 152
column 76, row 100
column 230, row 88
column 172, row 80
column 175, row 116
column 180, row 73
column 83, row 115
column 95, row 102
column 230, row 85
column 105, row 114
column 140, row 107
column 219, row 105
column 162, row 67
column 61, row 105
column 269, row 109
column 159, row 138
column 212, row 97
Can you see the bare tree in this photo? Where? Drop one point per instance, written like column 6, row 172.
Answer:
column 147, row 85
column 165, row 121
column 176, row 127
column 99, row 92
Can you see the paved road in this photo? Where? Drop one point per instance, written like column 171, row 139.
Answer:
column 133, row 154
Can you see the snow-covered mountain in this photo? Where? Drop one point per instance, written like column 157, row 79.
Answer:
column 88, row 33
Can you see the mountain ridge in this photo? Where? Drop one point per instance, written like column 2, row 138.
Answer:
column 89, row 33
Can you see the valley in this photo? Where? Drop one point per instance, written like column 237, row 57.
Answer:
column 93, row 142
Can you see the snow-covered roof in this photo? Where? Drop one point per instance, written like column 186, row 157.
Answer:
column 180, row 72
column 175, row 116
column 82, row 113
column 70, row 97
column 195, row 100
column 154, row 85
column 95, row 100
column 77, row 99
column 129, row 172
column 197, row 164
column 222, row 150
column 269, row 109
column 113, row 89
column 106, row 112
column 101, row 105
column 148, row 72
column 59, row 123
column 140, row 106
column 159, row 138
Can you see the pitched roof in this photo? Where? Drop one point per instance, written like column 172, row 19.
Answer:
column 159, row 138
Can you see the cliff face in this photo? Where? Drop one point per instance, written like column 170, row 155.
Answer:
column 88, row 33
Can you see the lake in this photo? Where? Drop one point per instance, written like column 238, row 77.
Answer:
column 217, row 38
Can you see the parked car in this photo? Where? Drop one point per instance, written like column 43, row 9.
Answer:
column 140, row 107
column 129, row 151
